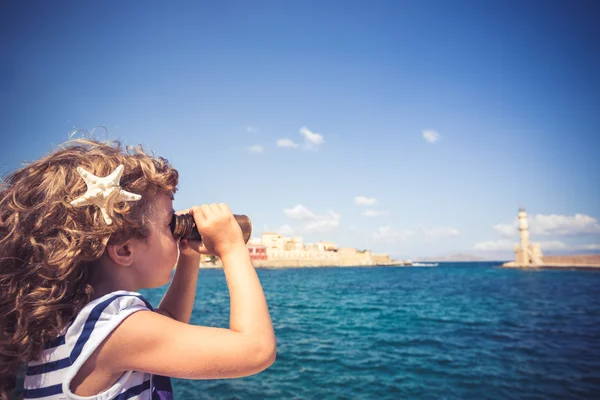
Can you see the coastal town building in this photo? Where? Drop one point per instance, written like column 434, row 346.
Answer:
column 256, row 241
column 257, row 252
column 293, row 244
column 276, row 250
column 327, row 246
column 272, row 240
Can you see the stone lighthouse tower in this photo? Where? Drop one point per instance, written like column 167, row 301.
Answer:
column 523, row 234
column 526, row 253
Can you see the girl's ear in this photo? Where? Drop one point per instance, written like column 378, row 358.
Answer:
column 121, row 254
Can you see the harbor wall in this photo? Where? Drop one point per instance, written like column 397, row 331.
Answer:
column 564, row 261
column 352, row 260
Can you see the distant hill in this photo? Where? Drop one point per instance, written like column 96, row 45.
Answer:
column 453, row 258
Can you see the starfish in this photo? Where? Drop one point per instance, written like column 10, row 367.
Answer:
column 99, row 191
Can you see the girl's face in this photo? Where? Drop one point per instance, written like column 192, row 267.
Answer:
column 158, row 256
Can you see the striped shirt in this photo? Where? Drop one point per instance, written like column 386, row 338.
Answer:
column 49, row 378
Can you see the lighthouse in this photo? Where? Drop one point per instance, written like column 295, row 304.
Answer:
column 529, row 255
column 526, row 253
column 523, row 234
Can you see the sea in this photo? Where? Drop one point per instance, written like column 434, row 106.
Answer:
column 455, row 331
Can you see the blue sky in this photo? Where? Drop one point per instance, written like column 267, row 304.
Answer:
column 416, row 128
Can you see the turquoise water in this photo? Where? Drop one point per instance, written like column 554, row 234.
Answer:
column 458, row 331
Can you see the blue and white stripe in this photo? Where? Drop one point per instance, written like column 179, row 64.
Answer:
column 49, row 377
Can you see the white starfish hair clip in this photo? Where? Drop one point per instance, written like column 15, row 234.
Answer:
column 99, row 191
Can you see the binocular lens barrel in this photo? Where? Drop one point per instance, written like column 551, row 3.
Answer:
column 183, row 225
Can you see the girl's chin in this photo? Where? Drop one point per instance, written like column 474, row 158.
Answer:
column 165, row 281
column 162, row 280
column 168, row 278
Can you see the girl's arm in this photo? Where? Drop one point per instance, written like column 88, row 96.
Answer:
column 178, row 301
column 160, row 345
column 163, row 346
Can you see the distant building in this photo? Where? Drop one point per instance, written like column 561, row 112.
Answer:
column 380, row 259
column 293, row 244
column 347, row 252
column 256, row 241
column 257, row 252
column 273, row 240
column 275, row 247
column 327, row 246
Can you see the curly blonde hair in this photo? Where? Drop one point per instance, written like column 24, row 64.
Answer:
column 47, row 246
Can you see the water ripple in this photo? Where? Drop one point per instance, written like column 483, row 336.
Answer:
column 459, row 331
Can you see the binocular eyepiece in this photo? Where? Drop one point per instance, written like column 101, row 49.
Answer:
column 183, row 225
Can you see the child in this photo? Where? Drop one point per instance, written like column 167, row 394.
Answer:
column 81, row 230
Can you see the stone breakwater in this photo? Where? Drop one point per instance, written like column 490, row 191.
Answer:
column 344, row 257
column 567, row 261
column 284, row 263
column 314, row 263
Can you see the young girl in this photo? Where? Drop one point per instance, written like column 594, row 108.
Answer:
column 82, row 230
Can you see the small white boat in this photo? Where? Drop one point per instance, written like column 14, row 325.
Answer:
column 417, row 264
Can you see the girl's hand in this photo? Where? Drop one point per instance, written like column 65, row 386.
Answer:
column 191, row 248
column 219, row 230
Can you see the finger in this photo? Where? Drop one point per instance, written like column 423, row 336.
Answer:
column 191, row 244
column 198, row 213
column 199, row 247
column 207, row 210
column 224, row 208
column 215, row 208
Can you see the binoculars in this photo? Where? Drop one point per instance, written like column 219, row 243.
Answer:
column 183, row 225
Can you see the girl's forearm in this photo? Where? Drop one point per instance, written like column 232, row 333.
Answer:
column 178, row 301
column 249, row 313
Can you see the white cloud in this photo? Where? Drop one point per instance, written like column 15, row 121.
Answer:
column 252, row 129
column 440, row 232
column 507, row 230
column 390, row 235
column 495, row 245
column 286, row 230
column 256, row 149
column 375, row 213
column 553, row 224
column 365, row 201
column 286, row 143
column 323, row 223
column 431, row 136
column 300, row 213
column 313, row 223
column 311, row 138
